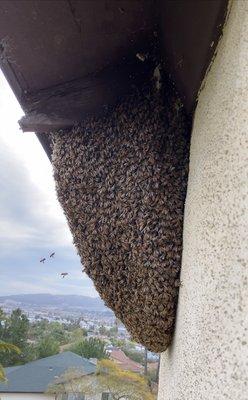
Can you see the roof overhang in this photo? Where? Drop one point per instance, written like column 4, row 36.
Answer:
column 66, row 59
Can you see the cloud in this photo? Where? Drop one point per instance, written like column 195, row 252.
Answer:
column 24, row 210
column 32, row 224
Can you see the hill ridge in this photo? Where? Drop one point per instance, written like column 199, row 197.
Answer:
column 65, row 300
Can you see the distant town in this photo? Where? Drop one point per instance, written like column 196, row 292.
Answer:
column 89, row 313
column 78, row 316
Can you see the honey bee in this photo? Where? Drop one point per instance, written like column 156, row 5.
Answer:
column 121, row 179
column 141, row 56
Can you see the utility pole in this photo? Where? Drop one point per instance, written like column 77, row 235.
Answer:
column 145, row 362
column 157, row 374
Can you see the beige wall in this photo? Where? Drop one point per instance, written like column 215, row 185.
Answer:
column 37, row 396
column 209, row 356
column 25, row 396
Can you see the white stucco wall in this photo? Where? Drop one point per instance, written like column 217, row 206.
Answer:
column 209, row 355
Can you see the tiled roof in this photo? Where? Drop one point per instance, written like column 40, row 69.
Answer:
column 125, row 362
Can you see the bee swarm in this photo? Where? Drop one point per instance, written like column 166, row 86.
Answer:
column 121, row 180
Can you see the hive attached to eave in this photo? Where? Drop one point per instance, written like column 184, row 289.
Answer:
column 121, row 180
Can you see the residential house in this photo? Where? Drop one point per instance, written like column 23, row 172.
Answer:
column 32, row 380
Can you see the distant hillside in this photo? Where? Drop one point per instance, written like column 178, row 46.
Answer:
column 61, row 301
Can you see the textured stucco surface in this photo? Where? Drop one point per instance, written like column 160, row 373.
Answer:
column 209, row 355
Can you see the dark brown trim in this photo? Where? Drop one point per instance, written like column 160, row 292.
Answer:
column 190, row 31
column 62, row 106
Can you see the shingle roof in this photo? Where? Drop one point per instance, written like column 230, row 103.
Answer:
column 35, row 377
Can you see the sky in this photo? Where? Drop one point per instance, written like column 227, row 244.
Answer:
column 32, row 223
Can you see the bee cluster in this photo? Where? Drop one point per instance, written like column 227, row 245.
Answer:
column 121, row 179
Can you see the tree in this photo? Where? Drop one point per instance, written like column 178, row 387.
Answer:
column 39, row 329
column 103, row 330
column 90, row 348
column 14, row 329
column 3, row 320
column 58, row 332
column 122, row 384
column 4, row 348
column 73, row 381
column 109, row 378
column 113, row 331
column 47, row 346
column 118, row 343
column 78, row 334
